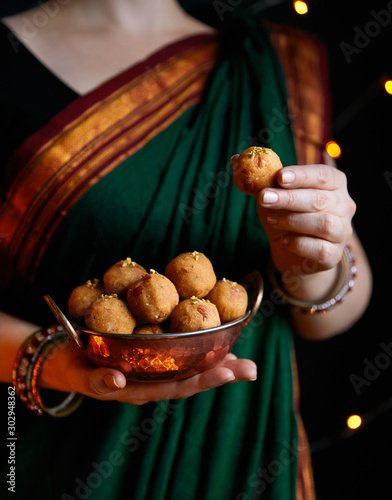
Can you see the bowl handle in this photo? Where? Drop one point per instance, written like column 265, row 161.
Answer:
column 255, row 281
column 62, row 319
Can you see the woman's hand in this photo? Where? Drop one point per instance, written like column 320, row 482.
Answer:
column 68, row 370
column 307, row 218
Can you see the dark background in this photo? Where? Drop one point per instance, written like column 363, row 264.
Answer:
column 355, row 465
column 351, row 465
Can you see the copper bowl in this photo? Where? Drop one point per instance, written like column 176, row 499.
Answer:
column 169, row 356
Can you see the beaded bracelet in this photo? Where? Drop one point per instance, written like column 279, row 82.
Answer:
column 27, row 367
column 345, row 282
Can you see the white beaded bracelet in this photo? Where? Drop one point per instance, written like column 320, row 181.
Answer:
column 345, row 282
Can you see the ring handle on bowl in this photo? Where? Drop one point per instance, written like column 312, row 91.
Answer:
column 255, row 281
column 62, row 319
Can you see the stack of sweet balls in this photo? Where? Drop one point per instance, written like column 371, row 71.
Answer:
column 187, row 298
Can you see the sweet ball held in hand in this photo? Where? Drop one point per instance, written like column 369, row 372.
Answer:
column 254, row 169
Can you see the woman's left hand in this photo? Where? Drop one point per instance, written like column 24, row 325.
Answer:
column 307, row 218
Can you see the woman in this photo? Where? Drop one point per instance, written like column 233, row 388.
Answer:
column 131, row 111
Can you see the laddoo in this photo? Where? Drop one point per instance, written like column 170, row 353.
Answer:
column 230, row 298
column 82, row 297
column 192, row 273
column 152, row 298
column 194, row 314
column 110, row 314
column 148, row 330
column 121, row 275
column 254, row 169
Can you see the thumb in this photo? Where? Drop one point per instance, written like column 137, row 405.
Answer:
column 104, row 381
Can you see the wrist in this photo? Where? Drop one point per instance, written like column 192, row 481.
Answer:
column 340, row 280
column 27, row 370
column 310, row 287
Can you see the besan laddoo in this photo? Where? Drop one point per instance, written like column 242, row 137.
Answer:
column 109, row 314
column 192, row 273
column 254, row 169
column 230, row 298
column 82, row 297
column 194, row 314
column 152, row 298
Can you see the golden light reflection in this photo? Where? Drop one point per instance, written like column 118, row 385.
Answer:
column 99, row 346
column 139, row 361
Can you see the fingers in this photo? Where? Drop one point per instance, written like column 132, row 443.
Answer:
column 230, row 370
column 109, row 384
column 311, row 176
column 307, row 200
column 246, row 370
column 323, row 254
column 299, row 200
column 312, row 201
column 320, row 225
column 104, row 381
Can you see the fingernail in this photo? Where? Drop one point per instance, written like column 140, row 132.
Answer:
column 110, row 381
column 252, row 375
column 287, row 176
column 229, row 378
column 270, row 197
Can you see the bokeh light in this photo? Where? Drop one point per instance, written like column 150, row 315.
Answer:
column 354, row 422
column 388, row 86
column 333, row 149
column 300, row 7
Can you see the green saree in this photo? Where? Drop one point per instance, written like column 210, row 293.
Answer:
column 141, row 168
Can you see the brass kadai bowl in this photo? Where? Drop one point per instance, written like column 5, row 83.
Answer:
column 168, row 356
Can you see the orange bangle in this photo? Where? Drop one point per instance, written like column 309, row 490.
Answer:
column 27, row 368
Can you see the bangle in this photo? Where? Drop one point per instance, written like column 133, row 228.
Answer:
column 344, row 283
column 27, row 367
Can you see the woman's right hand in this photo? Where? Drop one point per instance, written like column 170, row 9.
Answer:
column 67, row 369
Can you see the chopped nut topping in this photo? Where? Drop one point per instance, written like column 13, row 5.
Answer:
column 195, row 255
column 112, row 296
column 196, row 300
column 229, row 281
column 256, row 149
column 92, row 284
column 127, row 262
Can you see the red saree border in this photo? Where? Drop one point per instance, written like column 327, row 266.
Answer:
column 305, row 488
column 88, row 139
column 86, row 101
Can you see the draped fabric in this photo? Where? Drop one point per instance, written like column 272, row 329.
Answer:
column 141, row 168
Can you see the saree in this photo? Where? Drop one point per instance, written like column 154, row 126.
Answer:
column 140, row 167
